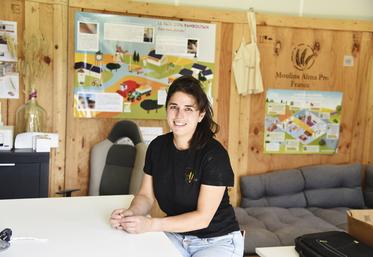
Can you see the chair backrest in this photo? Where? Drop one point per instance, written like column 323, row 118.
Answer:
column 117, row 168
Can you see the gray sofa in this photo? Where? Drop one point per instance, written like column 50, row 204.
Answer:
column 277, row 207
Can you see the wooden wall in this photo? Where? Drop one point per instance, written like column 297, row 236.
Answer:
column 247, row 113
column 241, row 117
column 48, row 18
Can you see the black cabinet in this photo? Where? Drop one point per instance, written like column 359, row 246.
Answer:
column 23, row 174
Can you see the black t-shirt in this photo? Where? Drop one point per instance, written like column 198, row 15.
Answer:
column 178, row 175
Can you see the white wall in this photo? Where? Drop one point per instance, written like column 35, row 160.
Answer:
column 334, row 9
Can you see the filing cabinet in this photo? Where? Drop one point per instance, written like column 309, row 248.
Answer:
column 23, row 174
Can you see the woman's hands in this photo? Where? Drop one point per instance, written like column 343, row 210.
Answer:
column 134, row 219
column 136, row 224
column 125, row 219
column 117, row 216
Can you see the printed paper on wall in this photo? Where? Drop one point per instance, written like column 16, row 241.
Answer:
column 302, row 122
column 9, row 76
column 124, row 65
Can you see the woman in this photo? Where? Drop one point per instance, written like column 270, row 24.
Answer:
column 187, row 171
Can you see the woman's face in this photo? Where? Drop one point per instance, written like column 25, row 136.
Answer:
column 183, row 115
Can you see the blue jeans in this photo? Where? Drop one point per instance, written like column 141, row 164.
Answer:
column 230, row 245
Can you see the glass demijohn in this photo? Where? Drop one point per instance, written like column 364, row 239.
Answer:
column 31, row 117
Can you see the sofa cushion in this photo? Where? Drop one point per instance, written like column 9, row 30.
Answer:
column 257, row 235
column 368, row 191
column 280, row 189
column 329, row 186
column 334, row 216
column 273, row 226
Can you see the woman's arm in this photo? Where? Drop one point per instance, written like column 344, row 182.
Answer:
column 140, row 205
column 208, row 202
column 143, row 201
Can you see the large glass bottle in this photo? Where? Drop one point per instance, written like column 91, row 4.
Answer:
column 31, row 117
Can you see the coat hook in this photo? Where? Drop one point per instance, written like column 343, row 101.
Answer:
column 355, row 49
column 277, row 48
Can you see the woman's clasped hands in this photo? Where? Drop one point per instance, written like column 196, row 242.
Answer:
column 125, row 219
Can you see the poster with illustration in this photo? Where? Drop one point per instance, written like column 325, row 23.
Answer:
column 9, row 77
column 302, row 122
column 124, row 65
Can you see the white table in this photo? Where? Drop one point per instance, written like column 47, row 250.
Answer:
column 279, row 251
column 75, row 226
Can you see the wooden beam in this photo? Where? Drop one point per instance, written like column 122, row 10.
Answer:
column 53, row 2
column 32, row 28
column 223, row 85
column 219, row 15
column 313, row 23
column 362, row 128
column 368, row 136
column 234, row 143
column 59, row 97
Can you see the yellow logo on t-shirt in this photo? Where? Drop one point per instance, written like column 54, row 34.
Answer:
column 189, row 176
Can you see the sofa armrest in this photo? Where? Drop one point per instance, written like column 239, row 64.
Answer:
column 368, row 190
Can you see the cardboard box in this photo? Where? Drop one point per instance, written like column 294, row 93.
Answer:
column 360, row 225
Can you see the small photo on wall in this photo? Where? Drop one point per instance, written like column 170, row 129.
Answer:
column 148, row 34
column 91, row 101
column 88, row 28
column 192, row 47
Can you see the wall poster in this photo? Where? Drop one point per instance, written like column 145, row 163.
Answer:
column 9, row 76
column 302, row 122
column 124, row 65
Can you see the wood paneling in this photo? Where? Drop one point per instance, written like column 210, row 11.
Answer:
column 218, row 15
column 49, row 20
column 354, row 82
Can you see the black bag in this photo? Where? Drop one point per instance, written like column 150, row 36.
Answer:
column 331, row 244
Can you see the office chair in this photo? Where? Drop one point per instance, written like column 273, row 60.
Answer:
column 116, row 163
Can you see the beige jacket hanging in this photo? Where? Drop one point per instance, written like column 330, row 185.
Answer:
column 246, row 63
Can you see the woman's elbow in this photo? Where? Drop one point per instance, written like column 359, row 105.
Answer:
column 204, row 222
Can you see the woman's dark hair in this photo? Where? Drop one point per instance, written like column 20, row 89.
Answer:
column 207, row 128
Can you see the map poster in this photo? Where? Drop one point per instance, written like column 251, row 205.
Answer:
column 302, row 122
column 124, row 65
